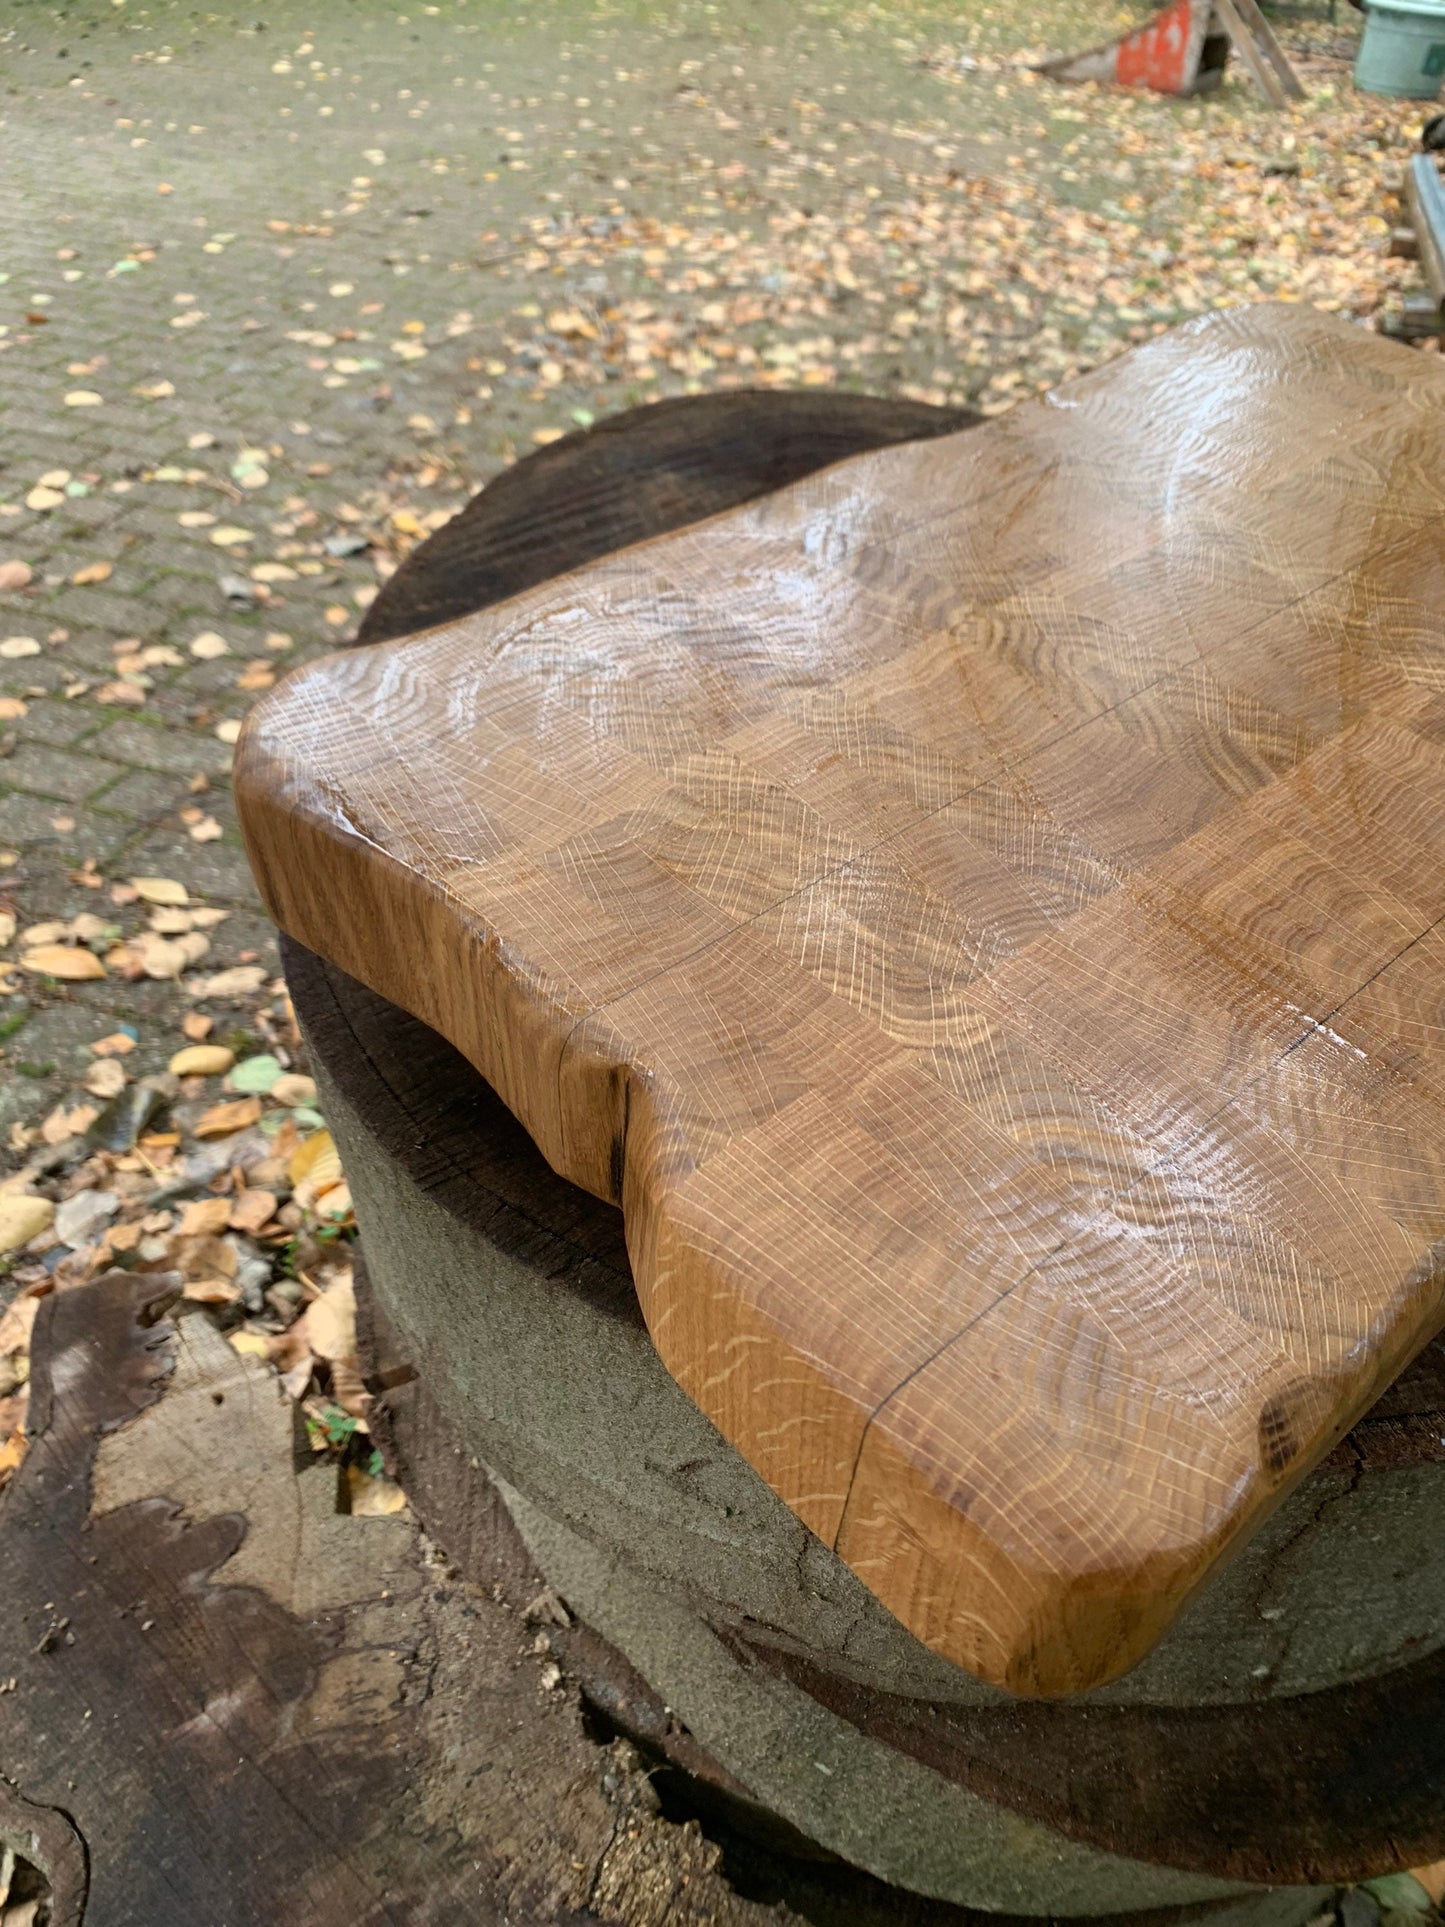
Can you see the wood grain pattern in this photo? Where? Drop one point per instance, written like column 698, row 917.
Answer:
column 976, row 911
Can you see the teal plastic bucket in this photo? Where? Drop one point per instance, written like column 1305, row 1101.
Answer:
column 1403, row 51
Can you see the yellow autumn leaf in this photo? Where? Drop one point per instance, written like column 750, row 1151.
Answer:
column 70, row 963
column 310, row 1154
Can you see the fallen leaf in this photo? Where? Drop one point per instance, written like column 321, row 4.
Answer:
column 7, row 928
column 93, row 572
column 68, row 963
column 12, row 708
column 12, row 1456
column 327, row 1327
column 158, row 957
column 84, row 1215
column 105, row 1078
column 41, row 498
column 229, row 730
column 205, row 1217
column 23, row 1217
column 373, row 1495
column 17, row 1322
column 208, row 645
column 212, row 1290
column 117, row 1043
column 223, row 1119
column 257, row 1074
column 160, row 890
column 82, row 398
column 250, row 1344
column 208, row 830
column 1400, row 1896
column 292, row 1089
column 15, row 647
column 239, row 981
column 63, row 1123
column 197, row 1026
column 229, row 537
column 13, row 576
column 333, row 1205
column 251, row 1209
column 297, row 1382
column 202, row 1060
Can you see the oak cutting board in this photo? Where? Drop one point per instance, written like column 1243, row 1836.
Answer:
column 979, row 912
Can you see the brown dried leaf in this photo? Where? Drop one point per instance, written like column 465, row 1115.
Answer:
column 373, row 1497
column 105, row 1078
column 205, row 1217
column 70, row 963
column 63, row 1123
column 222, row 1119
column 330, row 1321
column 251, row 1209
column 116, row 1044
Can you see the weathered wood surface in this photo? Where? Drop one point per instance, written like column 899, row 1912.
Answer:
column 975, row 912
column 223, row 1703
column 1290, row 1729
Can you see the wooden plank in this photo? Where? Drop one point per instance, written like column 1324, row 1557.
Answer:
column 1267, row 42
column 1245, row 45
column 1425, row 200
column 962, row 930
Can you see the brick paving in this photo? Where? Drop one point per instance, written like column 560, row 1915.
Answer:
column 309, row 260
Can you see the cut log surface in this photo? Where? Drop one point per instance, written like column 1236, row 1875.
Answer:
column 225, row 1704
column 976, row 911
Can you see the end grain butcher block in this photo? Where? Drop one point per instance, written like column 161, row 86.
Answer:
column 979, row 912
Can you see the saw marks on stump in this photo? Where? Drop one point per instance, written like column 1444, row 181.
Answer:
column 975, row 910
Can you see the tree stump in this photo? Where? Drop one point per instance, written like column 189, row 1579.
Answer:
column 978, row 911
column 1286, row 1734
column 223, row 1703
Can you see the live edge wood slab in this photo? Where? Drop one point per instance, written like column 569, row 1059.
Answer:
column 976, row 911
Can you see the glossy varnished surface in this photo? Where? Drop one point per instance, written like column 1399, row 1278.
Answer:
column 977, row 911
